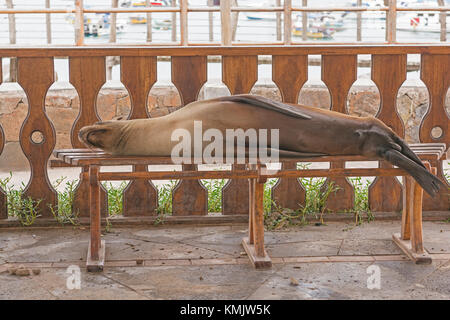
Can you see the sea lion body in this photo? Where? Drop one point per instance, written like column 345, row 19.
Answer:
column 303, row 131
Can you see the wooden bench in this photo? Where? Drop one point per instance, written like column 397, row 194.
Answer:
column 410, row 240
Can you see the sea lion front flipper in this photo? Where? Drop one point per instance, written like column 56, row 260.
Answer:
column 285, row 154
column 265, row 103
column 430, row 183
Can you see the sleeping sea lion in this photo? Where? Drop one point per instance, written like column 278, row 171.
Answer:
column 303, row 132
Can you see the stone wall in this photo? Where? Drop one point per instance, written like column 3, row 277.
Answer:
column 62, row 107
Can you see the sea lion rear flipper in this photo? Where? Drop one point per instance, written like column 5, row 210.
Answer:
column 265, row 103
column 430, row 183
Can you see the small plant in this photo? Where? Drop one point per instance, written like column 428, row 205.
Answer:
column 315, row 203
column 214, row 187
column 25, row 209
column 361, row 200
column 63, row 212
column 165, row 197
column 115, row 197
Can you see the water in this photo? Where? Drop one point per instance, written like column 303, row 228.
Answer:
column 31, row 27
column 31, row 30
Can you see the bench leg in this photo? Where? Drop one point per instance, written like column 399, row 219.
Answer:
column 254, row 244
column 406, row 211
column 96, row 249
column 412, row 224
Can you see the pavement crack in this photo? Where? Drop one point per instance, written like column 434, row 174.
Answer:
column 127, row 286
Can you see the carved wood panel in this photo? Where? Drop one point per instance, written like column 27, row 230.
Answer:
column 388, row 73
column 37, row 134
column 239, row 74
column 435, row 70
column 87, row 75
column 290, row 74
column 3, row 199
column 138, row 74
column 339, row 73
column 189, row 74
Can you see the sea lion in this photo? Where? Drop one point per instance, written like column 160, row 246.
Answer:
column 303, row 132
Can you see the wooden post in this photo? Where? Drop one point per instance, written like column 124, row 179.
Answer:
column 410, row 240
column 258, row 216
column 358, row 22
column 251, row 206
column 112, row 39
column 174, row 22
column 48, row 23
column 225, row 16
column 391, row 22
column 12, row 40
column 113, row 25
column 149, row 21
column 183, row 22
column 406, row 211
column 211, row 21
column 278, row 3
column 416, row 218
column 304, row 22
column 235, row 16
column 94, row 200
column 443, row 21
column 254, row 244
column 96, row 249
column 287, row 22
column 79, row 23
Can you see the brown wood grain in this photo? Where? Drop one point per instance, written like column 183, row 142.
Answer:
column 338, row 74
column 290, row 74
column 294, row 50
column 388, row 73
column 94, row 208
column 36, row 75
column 3, row 199
column 435, row 71
column 189, row 74
column 87, row 75
column 239, row 74
column 258, row 216
column 406, row 210
column 138, row 74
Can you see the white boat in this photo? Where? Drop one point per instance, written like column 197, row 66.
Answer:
column 99, row 25
column 420, row 22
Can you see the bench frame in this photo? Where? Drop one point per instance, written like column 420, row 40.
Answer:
column 410, row 240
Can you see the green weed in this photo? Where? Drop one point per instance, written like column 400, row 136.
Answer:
column 63, row 211
column 25, row 209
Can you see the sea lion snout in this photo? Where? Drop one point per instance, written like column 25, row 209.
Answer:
column 104, row 135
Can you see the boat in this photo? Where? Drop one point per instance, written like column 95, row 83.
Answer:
column 99, row 25
column 152, row 3
column 142, row 18
column 258, row 16
column 267, row 16
column 165, row 24
column 420, row 22
column 316, row 29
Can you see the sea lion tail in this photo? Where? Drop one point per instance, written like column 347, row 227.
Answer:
column 429, row 182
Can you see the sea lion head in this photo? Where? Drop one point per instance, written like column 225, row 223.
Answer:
column 105, row 135
column 377, row 140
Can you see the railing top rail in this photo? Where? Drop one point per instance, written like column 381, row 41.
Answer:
column 217, row 9
column 117, row 50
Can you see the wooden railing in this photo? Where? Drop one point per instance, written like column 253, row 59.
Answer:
column 239, row 74
column 226, row 9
